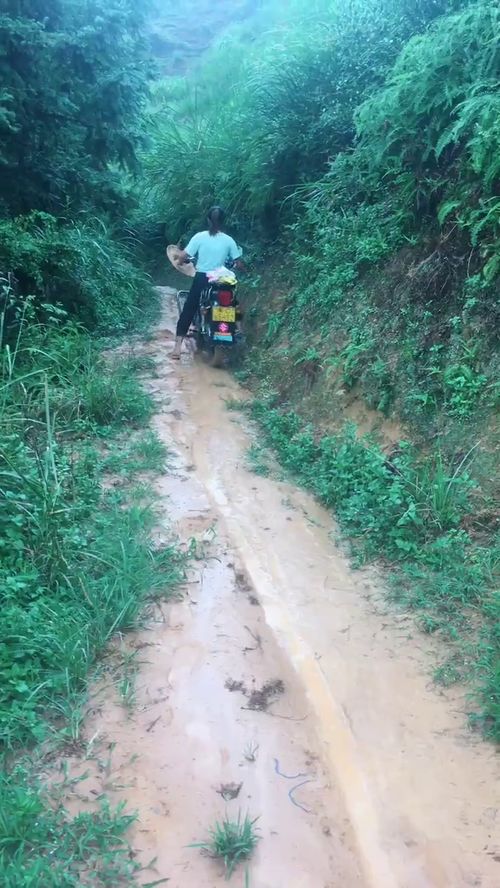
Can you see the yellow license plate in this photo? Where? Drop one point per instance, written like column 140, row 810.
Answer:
column 224, row 314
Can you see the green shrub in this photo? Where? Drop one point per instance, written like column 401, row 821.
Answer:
column 432, row 132
column 80, row 268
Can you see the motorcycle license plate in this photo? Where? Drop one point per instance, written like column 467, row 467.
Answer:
column 224, row 314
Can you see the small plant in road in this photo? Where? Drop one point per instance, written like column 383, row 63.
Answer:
column 250, row 751
column 257, row 462
column 231, row 841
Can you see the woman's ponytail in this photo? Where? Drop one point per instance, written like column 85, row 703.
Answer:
column 215, row 220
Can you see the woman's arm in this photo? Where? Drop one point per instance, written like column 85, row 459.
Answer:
column 235, row 254
column 191, row 250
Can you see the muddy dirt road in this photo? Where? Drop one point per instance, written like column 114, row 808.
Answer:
column 280, row 677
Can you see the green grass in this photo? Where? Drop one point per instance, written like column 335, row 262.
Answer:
column 257, row 461
column 80, row 269
column 77, row 566
column 231, row 841
column 42, row 844
column 145, row 453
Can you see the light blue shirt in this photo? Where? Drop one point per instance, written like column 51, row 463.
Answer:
column 212, row 250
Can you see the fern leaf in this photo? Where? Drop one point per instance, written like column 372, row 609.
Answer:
column 446, row 209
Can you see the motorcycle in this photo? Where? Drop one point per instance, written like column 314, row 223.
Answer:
column 215, row 327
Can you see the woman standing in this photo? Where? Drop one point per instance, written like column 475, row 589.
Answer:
column 211, row 248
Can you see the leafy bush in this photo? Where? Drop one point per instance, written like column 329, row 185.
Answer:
column 82, row 269
column 74, row 77
column 433, row 130
column 394, row 506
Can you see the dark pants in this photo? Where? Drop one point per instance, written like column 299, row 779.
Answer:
column 192, row 303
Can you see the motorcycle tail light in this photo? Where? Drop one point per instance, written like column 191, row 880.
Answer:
column 225, row 297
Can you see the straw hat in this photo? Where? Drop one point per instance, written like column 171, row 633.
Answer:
column 174, row 254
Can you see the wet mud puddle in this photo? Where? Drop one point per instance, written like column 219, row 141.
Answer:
column 276, row 688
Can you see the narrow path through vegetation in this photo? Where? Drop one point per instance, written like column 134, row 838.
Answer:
column 279, row 660
column 327, row 512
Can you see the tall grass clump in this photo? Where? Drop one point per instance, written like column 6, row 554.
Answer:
column 77, row 566
column 232, row 841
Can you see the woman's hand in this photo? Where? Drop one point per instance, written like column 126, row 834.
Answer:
column 183, row 258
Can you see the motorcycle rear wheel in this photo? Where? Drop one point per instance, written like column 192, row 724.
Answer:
column 217, row 357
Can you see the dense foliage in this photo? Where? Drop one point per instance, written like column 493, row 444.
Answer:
column 416, row 199
column 359, row 143
column 74, row 78
column 257, row 118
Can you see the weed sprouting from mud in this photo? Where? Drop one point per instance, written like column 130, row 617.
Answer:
column 257, row 461
column 250, row 752
column 234, row 404
column 231, row 841
column 144, row 452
